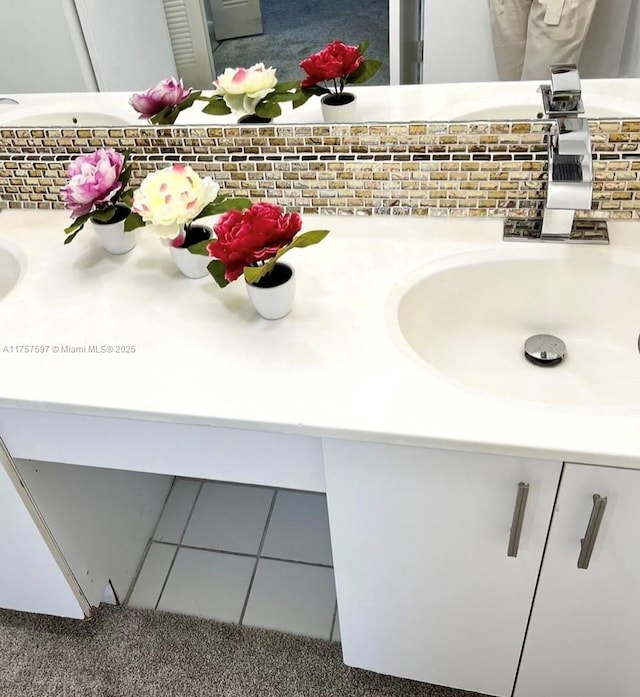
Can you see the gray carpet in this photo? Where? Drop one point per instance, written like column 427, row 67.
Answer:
column 141, row 653
column 293, row 29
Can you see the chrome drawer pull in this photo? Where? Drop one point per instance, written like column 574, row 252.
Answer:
column 589, row 539
column 518, row 518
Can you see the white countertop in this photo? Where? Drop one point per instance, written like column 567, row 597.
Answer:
column 330, row 368
column 397, row 103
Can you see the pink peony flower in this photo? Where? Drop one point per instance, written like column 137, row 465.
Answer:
column 93, row 180
column 254, row 234
column 167, row 93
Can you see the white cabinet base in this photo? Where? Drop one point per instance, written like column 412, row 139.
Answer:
column 30, row 577
column 585, row 626
column 425, row 587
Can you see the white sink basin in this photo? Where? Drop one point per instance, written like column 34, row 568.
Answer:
column 531, row 108
column 11, row 267
column 14, row 116
column 467, row 317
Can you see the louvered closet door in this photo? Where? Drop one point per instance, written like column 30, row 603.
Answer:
column 233, row 18
column 189, row 35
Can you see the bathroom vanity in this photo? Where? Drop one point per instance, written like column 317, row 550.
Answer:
column 480, row 498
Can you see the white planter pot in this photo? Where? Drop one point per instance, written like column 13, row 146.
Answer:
column 192, row 265
column 274, row 301
column 112, row 235
column 339, row 113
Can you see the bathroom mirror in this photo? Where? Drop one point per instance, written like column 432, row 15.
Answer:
column 612, row 49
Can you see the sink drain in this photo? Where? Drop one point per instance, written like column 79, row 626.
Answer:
column 545, row 350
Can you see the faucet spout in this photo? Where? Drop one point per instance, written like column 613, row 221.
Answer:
column 570, row 178
column 570, row 168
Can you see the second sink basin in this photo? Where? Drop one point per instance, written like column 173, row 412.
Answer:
column 11, row 266
column 467, row 316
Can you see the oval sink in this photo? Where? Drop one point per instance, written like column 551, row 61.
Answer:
column 531, row 109
column 11, row 267
column 52, row 117
column 468, row 317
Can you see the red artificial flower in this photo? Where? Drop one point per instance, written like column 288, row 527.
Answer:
column 337, row 60
column 254, row 234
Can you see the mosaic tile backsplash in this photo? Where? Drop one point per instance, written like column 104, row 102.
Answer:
column 460, row 169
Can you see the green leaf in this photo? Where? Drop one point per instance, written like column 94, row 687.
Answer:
column 132, row 221
column 363, row 46
column 267, row 110
column 222, row 206
column 365, row 72
column 200, row 248
column 165, row 117
column 216, row 107
column 70, row 237
column 255, row 273
column 125, row 197
column 103, row 216
column 305, row 94
column 284, row 97
column 216, row 269
column 77, row 225
column 301, row 98
column 286, row 86
column 125, row 175
column 306, row 239
column 188, row 102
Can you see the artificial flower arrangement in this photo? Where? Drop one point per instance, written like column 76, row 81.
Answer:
column 249, row 91
column 97, row 189
column 171, row 199
column 330, row 70
column 249, row 242
column 162, row 103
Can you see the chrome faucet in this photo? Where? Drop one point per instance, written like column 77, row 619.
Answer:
column 7, row 100
column 570, row 168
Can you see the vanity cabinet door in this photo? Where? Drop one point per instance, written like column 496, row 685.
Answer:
column 30, row 577
column 584, row 635
column 425, row 587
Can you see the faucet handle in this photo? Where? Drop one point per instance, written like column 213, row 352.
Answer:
column 565, row 80
column 564, row 96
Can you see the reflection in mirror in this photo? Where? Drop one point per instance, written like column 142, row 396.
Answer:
column 147, row 46
column 290, row 35
column 129, row 45
column 611, row 47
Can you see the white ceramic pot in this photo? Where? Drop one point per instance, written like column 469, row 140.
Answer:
column 272, row 296
column 339, row 109
column 192, row 265
column 112, row 235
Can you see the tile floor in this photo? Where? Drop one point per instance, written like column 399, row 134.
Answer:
column 247, row 554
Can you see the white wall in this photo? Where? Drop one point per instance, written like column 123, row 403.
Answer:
column 42, row 48
column 457, row 42
column 128, row 42
column 83, row 46
column 630, row 61
column 458, row 48
column 603, row 47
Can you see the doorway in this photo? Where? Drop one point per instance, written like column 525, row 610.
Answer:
column 293, row 29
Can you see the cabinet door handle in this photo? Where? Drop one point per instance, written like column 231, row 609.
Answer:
column 518, row 518
column 589, row 539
